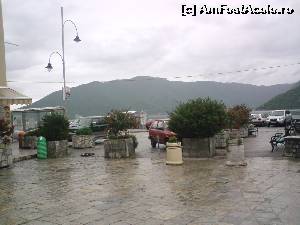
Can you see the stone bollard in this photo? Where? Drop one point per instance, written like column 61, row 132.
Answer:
column 236, row 153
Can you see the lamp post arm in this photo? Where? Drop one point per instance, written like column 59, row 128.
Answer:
column 73, row 25
column 57, row 53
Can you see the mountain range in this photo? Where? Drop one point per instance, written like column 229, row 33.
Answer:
column 156, row 95
column 287, row 100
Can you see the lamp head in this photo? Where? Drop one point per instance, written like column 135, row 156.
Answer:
column 77, row 39
column 49, row 67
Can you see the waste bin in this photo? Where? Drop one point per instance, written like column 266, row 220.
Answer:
column 42, row 148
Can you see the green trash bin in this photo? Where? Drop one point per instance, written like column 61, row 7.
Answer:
column 42, row 148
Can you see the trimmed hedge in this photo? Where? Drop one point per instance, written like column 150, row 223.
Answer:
column 199, row 118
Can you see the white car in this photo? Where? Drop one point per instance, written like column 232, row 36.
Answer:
column 279, row 118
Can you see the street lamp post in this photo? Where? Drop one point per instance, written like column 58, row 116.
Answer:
column 62, row 56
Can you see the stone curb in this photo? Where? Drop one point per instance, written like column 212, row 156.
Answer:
column 23, row 158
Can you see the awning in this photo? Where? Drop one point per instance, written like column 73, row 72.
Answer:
column 9, row 96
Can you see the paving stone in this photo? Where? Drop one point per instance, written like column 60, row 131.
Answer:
column 144, row 190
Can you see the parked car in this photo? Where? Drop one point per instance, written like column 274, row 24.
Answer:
column 73, row 124
column 279, row 118
column 159, row 132
column 96, row 123
column 259, row 119
column 296, row 120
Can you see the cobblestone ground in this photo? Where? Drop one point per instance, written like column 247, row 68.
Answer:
column 259, row 146
column 141, row 191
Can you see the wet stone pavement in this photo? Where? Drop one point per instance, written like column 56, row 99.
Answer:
column 142, row 191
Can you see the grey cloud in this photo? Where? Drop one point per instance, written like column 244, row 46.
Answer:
column 122, row 39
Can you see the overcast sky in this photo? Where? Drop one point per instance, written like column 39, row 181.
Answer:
column 123, row 39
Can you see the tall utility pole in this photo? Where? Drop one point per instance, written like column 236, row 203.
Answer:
column 62, row 56
column 2, row 52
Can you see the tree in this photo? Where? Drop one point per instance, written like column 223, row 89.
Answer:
column 238, row 116
column 199, row 118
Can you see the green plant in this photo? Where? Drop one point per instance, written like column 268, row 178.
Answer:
column 6, row 131
column 172, row 139
column 199, row 118
column 119, row 122
column 55, row 127
column 238, row 116
column 84, row 131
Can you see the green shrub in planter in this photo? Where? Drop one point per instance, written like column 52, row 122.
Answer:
column 6, row 131
column 172, row 139
column 120, row 144
column 55, row 127
column 199, row 118
column 84, row 131
column 118, row 123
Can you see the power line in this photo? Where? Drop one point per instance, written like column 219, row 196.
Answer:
column 176, row 77
column 240, row 71
column 37, row 82
column 10, row 43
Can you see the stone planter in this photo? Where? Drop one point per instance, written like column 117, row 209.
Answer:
column 57, row 149
column 83, row 141
column 238, row 133
column 198, row 147
column 244, row 132
column 6, row 158
column 221, row 139
column 174, row 154
column 234, row 133
column 119, row 148
column 236, row 153
column 28, row 142
column 292, row 146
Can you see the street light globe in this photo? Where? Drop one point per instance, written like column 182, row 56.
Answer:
column 49, row 67
column 77, row 39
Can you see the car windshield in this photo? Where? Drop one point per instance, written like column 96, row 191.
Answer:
column 265, row 115
column 255, row 116
column 296, row 113
column 277, row 113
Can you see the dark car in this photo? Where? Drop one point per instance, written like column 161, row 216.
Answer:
column 259, row 119
column 159, row 132
column 296, row 120
column 96, row 123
